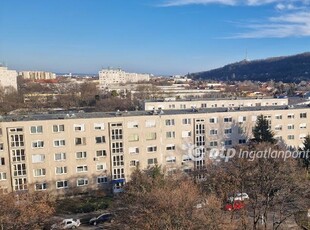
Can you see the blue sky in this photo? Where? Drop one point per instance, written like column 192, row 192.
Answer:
column 154, row 36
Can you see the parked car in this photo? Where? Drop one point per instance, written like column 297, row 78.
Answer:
column 106, row 217
column 67, row 224
column 238, row 196
column 236, row 205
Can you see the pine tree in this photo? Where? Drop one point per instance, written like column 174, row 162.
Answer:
column 262, row 132
column 305, row 153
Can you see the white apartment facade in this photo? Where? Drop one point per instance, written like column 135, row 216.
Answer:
column 37, row 75
column 117, row 76
column 59, row 152
column 8, row 77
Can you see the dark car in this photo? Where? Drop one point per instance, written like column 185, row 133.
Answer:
column 106, row 217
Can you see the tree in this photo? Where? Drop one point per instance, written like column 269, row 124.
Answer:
column 305, row 156
column 262, row 132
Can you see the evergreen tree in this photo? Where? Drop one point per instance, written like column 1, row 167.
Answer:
column 305, row 156
column 262, row 132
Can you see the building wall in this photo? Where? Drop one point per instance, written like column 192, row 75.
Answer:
column 37, row 75
column 8, row 77
column 140, row 140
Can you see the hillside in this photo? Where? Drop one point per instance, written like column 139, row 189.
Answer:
column 287, row 69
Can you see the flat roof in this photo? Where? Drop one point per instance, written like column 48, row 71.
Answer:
column 214, row 99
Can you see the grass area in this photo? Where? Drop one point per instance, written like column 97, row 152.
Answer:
column 302, row 220
column 82, row 204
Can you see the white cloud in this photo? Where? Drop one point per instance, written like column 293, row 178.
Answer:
column 197, row 2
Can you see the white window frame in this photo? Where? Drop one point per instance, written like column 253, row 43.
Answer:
column 36, row 127
column 64, row 182
column 63, row 156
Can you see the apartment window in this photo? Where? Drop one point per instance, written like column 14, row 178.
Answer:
column 228, row 142
column 58, row 128
column 170, row 159
column 99, row 126
column 227, row 119
column 101, row 167
column 2, row 161
column 132, row 124
column 61, row 170
column 170, row 147
column 100, row 139
column 186, row 134
column 169, row 122
column 133, row 150
column 19, row 169
column 228, row 131
column 151, row 136
column 303, row 126
column 79, row 128
column 16, row 130
column 18, row 155
column 186, row 121
column 59, row 143
column 117, row 134
column 118, row 173
column 290, row 116
column 101, row 153
column 241, row 119
column 20, row 184
column 213, row 144
column 2, row 176
column 290, row 137
column 60, row 156
column 118, row 160
column 278, row 127
column 204, row 105
column 0, row 131
column 38, row 158
column 151, row 149
column 152, row 161
column 172, row 106
column 17, row 140
column 37, row 144
column 82, row 182
column 117, row 147
column 61, row 184
column 81, row 155
column 40, row 186
column 182, row 106
column 102, row 180
column 81, row 168
column 290, row 126
column 133, row 137
column 39, row 172
column 170, row 134
column 150, row 123
column 1, row 147
column 36, row 129
column 213, row 120
column 213, row 131
column 278, row 117
column 133, row 163
column 80, row 141
column 303, row 115
column 242, row 141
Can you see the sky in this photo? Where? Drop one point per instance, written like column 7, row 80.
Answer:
column 162, row 37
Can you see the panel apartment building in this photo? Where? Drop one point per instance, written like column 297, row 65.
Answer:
column 37, row 75
column 59, row 152
column 117, row 76
column 8, row 77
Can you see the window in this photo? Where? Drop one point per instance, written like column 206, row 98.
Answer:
column 118, row 160
column 81, row 168
column 100, row 139
column 290, row 126
column 38, row 158
column 290, row 116
column 170, row 134
column 213, row 131
column 80, row 141
column 58, row 128
column 19, row 169
column 242, row 141
column 102, row 180
column 82, row 182
column 18, row 155
column 37, row 144
column 228, row 131
column 213, row 144
column 39, row 172
column 101, row 153
column 152, row 161
column 186, row 121
column 241, row 119
column 170, row 159
column 303, row 115
column 101, row 167
column 170, row 147
column 303, row 126
column 17, row 140
column 278, row 117
column 151, row 136
column 213, row 120
column 133, row 163
column 186, row 134
column 133, row 150
column 133, row 137
column 20, row 184
column 1, row 147
column 228, row 142
column 117, row 134
column 302, row 136
column 117, row 147
column 151, row 149
column 79, row 128
column 290, row 137
column 61, row 170
column 40, row 186
column 61, row 184
column 278, row 127
column 16, row 130
column 99, row 126
column 36, row 129
column 60, row 156
column 132, row 124
column 2, row 176
column 2, row 161
column 118, row 173
column 204, row 105
column 227, row 119
column 59, row 143
column 172, row 106
column 169, row 122
column 81, row 155
column 150, row 123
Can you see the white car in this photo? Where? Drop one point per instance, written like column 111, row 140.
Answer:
column 67, row 224
column 239, row 196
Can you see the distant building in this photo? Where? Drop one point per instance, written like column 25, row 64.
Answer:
column 117, row 76
column 8, row 77
column 37, row 75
